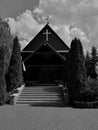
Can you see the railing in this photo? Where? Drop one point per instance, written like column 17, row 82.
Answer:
column 10, row 93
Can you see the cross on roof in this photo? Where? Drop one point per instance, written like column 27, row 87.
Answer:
column 47, row 19
column 47, row 34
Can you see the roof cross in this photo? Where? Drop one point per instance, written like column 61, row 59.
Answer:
column 47, row 34
column 47, row 19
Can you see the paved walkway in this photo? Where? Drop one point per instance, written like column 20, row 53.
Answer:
column 24, row 117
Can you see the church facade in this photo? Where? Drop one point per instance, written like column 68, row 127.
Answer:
column 44, row 58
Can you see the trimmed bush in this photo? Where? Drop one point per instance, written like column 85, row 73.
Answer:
column 90, row 94
column 93, row 86
column 86, row 96
column 78, row 104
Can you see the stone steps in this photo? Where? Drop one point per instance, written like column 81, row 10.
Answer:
column 40, row 96
column 47, row 95
column 39, row 99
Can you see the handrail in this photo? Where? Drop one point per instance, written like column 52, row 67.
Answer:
column 10, row 93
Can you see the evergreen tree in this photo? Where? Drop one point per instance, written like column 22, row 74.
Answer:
column 88, row 64
column 14, row 75
column 6, row 40
column 94, row 60
column 76, row 71
column 5, row 54
column 2, row 75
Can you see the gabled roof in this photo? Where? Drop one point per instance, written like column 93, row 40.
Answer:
column 25, row 55
column 45, row 47
column 55, row 41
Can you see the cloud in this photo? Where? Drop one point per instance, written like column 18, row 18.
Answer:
column 83, row 13
column 24, row 26
column 63, row 14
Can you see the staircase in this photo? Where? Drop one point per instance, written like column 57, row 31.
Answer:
column 41, row 96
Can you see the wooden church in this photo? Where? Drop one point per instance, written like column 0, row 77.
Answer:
column 44, row 58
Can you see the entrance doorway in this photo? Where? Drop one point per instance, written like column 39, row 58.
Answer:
column 44, row 74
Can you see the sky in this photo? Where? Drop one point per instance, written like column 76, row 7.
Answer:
column 68, row 18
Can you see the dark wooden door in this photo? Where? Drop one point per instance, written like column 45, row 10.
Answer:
column 44, row 74
column 47, row 74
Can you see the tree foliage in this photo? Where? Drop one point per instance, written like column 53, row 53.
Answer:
column 94, row 60
column 91, row 63
column 76, row 71
column 14, row 75
column 6, row 40
column 88, row 64
column 5, row 54
column 2, row 75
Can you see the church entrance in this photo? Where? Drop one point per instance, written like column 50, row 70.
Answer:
column 45, row 74
column 45, row 66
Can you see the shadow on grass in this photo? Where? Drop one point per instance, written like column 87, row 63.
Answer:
column 84, row 107
column 57, row 105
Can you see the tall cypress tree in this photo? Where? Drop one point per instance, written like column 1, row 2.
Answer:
column 88, row 63
column 2, row 75
column 6, row 41
column 76, row 71
column 94, row 60
column 14, row 75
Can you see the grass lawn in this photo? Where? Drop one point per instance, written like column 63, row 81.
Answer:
column 24, row 117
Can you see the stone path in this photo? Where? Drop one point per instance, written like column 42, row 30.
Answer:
column 25, row 117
